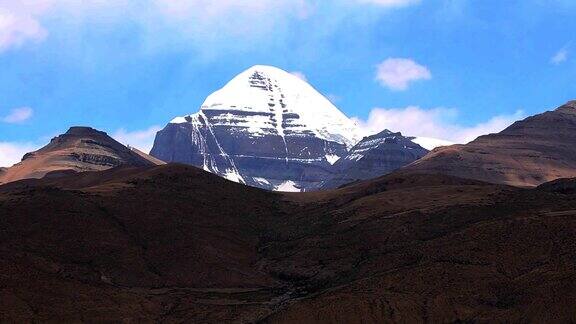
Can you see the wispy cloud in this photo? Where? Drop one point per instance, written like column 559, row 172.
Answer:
column 18, row 115
column 19, row 25
column 390, row 3
column 164, row 21
column 439, row 123
column 12, row 152
column 140, row 139
column 561, row 56
column 397, row 73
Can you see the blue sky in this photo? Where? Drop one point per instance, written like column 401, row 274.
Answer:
column 448, row 69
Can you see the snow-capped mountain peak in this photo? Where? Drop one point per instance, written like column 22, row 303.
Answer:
column 266, row 128
column 271, row 100
column 270, row 129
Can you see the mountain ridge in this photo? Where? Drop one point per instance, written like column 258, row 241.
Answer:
column 530, row 152
column 80, row 149
column 375, row 156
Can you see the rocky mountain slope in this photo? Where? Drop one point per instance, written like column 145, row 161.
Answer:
column 265, row 128
column 538, row 149
column 176, row 244
column 373, row 157
column 79, row 149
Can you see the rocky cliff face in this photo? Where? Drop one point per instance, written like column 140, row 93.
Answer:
column 538, row 149
column 79, row 149
column 375, row 156
column 265, row 128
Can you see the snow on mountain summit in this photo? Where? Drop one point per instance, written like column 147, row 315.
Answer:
column 274, row 101
column 265, row 128
column 270, row 129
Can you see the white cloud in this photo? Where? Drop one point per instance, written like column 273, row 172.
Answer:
column 210, row 9
column 398, row 73
column 12, row 152
column 208, row 25
column 560, row 57
column 18, row 115
column 17, row 28
column 431, row 143
column 205, row 21
column 437, row 123
column 140, row 139
column 390, row 3
column 213, row 23
column 300, row 75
